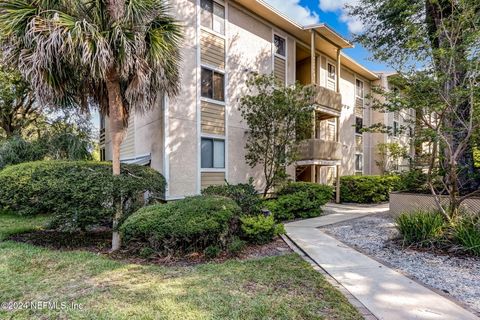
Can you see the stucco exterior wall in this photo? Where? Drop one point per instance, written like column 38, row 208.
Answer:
column 182, row 140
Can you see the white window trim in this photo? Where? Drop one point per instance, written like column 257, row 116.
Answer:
column 218, row 34
column 330, row 61
column 363, row 86
column 214, row 137
column 211, row 100
column 222, row 3
column 273, row 45
column 274, row 54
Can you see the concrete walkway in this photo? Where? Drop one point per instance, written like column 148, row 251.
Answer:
column 385, row 292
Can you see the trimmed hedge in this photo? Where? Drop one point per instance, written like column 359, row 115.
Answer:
column 244, row 194
column 259, row 229
column 78, row 194
column 368, row 189
column 187, row 225
column 300, row 200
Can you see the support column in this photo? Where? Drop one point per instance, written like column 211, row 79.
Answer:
column 337, row 129
column 313, row 173
column 339, row 66
column 313, row 74
column 337, row 185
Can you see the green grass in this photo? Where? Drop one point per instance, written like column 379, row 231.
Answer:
column 283, row 287
column 13, row 224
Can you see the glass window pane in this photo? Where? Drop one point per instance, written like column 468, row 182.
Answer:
column 358, row 125
column 279, row 44
column 218, row 86
column 359, row 88
column 207, row 153
column 219, row 154
column 206, row 13
column 331, row 71
column 358, row 162
column 218, row 18
column 206, row 83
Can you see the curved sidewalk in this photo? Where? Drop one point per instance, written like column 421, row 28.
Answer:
column 386, row 293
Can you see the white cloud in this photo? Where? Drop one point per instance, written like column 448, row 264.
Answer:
column 295, row 11
column 354, row 25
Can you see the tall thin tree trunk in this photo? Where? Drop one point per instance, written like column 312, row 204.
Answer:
column 116, row 116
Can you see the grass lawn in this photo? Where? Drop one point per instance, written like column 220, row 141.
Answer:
column 282, row 287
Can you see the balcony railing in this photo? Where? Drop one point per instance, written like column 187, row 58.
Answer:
column 328, row 99
column 317, row 149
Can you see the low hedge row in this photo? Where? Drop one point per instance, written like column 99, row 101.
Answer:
column 78, row 194
column 187, row 225
column 368, row 189
column 300, row 200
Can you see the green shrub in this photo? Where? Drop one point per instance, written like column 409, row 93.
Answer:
column 300, row 200
column 244, row 194
column 78, row 194
column 212, row 252
column 414, row 181
column 420, row 228
column 187, row 225
column 258, row 229
column 368, row 189
column 236, row 246
column 146, row 252
column 466, row 233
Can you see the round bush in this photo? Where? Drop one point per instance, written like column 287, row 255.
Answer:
column 78, row 194
column 244, row 194
column 187, row 225
column 368, row 189
column 300, row 200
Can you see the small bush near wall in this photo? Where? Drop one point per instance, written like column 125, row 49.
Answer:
column 244, row 194
column 182, row 226
column 466, row 233
column 421, row 228
column 78, row 194
column 300, row 200
column 260, row 229
column 368, row 189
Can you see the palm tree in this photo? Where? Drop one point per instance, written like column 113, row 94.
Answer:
column 120, row 55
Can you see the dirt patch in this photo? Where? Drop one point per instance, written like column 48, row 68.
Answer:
column 99, row 242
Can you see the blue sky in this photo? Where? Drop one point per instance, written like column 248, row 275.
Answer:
column 332, row 13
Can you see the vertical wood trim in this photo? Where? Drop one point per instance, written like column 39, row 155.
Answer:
column 338, row 67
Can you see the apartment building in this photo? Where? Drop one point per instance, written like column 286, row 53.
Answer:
column 198, row 138
column 401, row 125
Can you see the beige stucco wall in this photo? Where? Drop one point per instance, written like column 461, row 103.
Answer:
column 182, row 139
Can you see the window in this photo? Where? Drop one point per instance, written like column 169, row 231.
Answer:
column 279, row 44
column 102, row 154
column 359, row 91
column 212, row 16
column 395, row 128
column 358, row 125
column 212, row 84
column 213, row 153
column 359, row 162
column 331, row 71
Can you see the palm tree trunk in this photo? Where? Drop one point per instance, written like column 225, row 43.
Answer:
column 116, row 116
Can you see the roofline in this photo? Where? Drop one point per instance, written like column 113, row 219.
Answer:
column 374, row 75
column 326, row 26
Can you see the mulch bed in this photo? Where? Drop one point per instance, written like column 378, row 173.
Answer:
column 99, row 242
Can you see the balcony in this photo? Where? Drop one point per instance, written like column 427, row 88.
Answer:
column 317, row 149
column 328, row 100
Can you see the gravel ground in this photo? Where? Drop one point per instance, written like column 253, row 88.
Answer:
column 456, row 276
